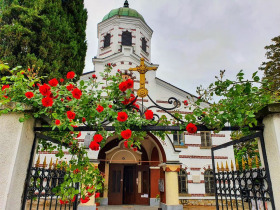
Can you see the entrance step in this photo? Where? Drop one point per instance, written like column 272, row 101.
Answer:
column 130, row 207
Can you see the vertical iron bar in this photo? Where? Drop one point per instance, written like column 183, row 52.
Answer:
column 26, row 184
column 214, row 171
column 229, row 189
column 267, row 170
column 234, row 188
column 224, row 188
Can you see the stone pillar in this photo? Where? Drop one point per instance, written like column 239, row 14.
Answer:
column 171, row 187
column 270, row 116
column 16, row 142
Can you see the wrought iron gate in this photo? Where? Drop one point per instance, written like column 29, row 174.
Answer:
column 40, row 182
column 243, row 184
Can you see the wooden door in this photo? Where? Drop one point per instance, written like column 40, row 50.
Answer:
column 129, row 184
column 143, row 185
column 115, row 189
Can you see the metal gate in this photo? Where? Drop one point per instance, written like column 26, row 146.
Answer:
column 42, row 180
column 243, row 184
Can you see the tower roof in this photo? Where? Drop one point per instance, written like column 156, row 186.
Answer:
column 123, row 11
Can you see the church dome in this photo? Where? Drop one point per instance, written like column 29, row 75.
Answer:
column 123, row 11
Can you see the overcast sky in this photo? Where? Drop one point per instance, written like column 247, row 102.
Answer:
column 194, row 39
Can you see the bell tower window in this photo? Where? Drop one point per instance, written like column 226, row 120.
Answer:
column 126, row 38
column 107, row 40
column 144, row 45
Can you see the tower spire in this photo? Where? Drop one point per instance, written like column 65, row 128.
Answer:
column 126, row 4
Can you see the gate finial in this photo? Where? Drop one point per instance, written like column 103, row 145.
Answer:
column 50, row 165
column 243, row 164
column 257, row 162
column 218, row 168
column 236, row 164
column 37, row 162
column 231, row 165
column 250, row 162
column 56, row 162
column 222, row 167
column 45, row 163
column 227, row 169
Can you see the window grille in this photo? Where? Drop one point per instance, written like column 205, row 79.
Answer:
column 209, row 182
column 107, row 40
column 206, row 140
column 178, row 139
column 126, row 38
column 183, row 181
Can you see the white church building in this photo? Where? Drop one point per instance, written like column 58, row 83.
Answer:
column 178, row 169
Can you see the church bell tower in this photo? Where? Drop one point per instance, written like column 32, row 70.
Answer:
column 123, row 38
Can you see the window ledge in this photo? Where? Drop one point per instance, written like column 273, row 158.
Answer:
column 106, row 48
column 209, row 194
column 209, row 147
column 184, row 195
column 180, row 146
column 144, row 52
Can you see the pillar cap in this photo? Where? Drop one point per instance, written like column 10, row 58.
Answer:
column 268, row 109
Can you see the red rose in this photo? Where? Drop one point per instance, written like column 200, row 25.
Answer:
column 53, row 82
column 45, row 90
column 70, row 87
column 149, row 114
column 125, row 143
column 83, row 119
column 79, row 134
column 122, row 116
column 71, row 115
column 135, row 149
column 85, row 200
column 185, row 102
column 119, row 70
column 129, row 83
column 29, row 95
column 126, row 134
column 48, row 101
column 100, row 108
column 110, row 106
column 63, row 202
column 76, row 171
column 61, row 80
column 191, row 128
column 73, row 199
column 68, row 98
column 94, row 146
column 123, row 86
column 132, row 97
column 76, row 93
column 97, row 195
column 109, row 64
column 5, row 86
column 38, row 84
column 97, row 138
column 57, row 122
column 125, row 102
column 5, row 96
column 70, row 75
column 93, row 76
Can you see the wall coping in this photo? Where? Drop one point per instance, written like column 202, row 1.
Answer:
column 12, row 105
column 268, row 109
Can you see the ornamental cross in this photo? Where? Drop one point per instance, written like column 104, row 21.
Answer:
column 142, row 69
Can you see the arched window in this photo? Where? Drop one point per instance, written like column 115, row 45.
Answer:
column 144, row 45
column 126, row 38
column 209, row 181
column 206, row 140
column 183, row 181
column 107, row 40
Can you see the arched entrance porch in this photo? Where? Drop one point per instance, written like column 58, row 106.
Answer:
column 131, row 177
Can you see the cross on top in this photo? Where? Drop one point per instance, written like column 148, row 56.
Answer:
column 142, row 69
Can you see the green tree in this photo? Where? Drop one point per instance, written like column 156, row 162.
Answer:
column 47, row 34
column 271, row 68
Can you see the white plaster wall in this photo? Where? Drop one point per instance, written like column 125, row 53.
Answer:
column 15, row 149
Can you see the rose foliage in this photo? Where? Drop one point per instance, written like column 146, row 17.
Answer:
column 67, row 104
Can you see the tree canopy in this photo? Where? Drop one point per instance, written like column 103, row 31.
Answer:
column 271, row 68
column 49, row 35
